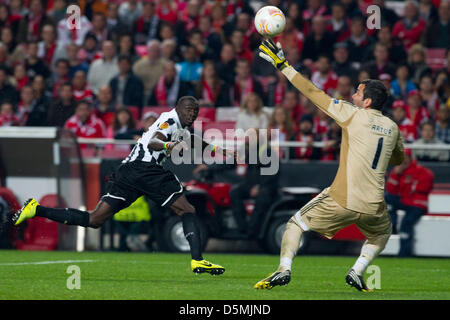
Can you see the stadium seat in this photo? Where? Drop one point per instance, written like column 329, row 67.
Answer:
column 205, row 115
column 42, row 233
column 220, row 125
column 135, row 112
column 114, row 153
column 435, row 58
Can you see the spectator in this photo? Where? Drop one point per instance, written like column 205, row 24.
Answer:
column 103, row 70
column 169, row 50
column 75, row 64
column 396, row 51
column 324, row 78
column 129, row 12
column 30, row 26
column 427, row 137
column 30, row 113
column 114, row 23
column 408, row 188
column 282, row 121
column 388, row 16
column 226, row 66
column 381, row 64
column 293, row 56
column 291, row 103
column 341, row 64
column 88, row 52
column 338, row 24
column 332, row 142
column 312, row 10
column 210, row 90
column 442, row 129
column 219, row 17
column 443, row 85
column 411, row 27
column 351, row 8
column 104, row 102
column 213, row 39
column 363, row 75
column 99, row 28
column 63, row 108
column 81, row 89
column 358, row 43
column 406, row 127
column 7, row 116
column 147, row 120
column 251, row 114
column 291, row 37
column 41, row 94
column 84, row 123
column 147, row 26
column 321, row 124
column 305, row 134
column 430, row 97
column 190, row 69
column 169, row 87
column 417, row 63
column 7, row 91
column 402, row 86
column 123, row 125
column 240, row 50
column 167, row 31
column 199, row 42
column 386, row 80
column 437, row 34
column 77, row 35
column 127, row 88
column 318, row 42
column 428, row 11
column 47, row 46
column 58, row 11
column 245, row 83
column 150, row 68
column 33, row 64
column 20, row 77
column 167, row 11
column 190, row 16
column 276, row 90
column 60, row 76
column 344, row 89
column 126, row 47
column 414, row 110
column 15, row 52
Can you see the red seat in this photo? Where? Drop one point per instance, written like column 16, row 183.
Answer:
column 222, row 126
column 435, row 58
column 157, row 110
column 135, row 112
column 42, row 233
column 115, row 153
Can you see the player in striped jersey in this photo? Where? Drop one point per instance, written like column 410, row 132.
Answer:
column 141, row 173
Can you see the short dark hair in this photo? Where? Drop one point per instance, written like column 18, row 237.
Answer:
column 375, row 90
column 185, row 100
column 427, row 123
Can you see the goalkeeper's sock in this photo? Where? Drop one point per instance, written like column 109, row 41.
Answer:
column 192, row 234
column 368, row 253
column 289, row 245
column 67, row 216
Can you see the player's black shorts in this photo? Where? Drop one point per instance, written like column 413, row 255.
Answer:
column 134, row 179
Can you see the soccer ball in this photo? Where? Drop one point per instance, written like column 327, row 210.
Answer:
column 270, row 21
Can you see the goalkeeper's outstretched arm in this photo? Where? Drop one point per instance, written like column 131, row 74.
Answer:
column 338, row 110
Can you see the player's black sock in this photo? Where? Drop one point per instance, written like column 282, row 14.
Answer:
column 67, row 216
column 192, row 234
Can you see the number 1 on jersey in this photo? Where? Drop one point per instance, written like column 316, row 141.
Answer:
column 376, row 158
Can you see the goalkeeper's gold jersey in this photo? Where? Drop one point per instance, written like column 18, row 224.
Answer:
column 369, row 141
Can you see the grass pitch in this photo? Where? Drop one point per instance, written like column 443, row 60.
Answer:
column 110, row 275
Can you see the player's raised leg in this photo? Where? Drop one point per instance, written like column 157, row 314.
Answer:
column 289, row 248
column 68, row 216
column 192, row 233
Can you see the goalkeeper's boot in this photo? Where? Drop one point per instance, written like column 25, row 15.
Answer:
column 203, row 266
column 356, row 281
column 28, row 211
column 278, row 278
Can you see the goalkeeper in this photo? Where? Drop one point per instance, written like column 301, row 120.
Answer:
column 370, row 142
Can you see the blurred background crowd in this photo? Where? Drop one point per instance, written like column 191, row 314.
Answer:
column 100, row 79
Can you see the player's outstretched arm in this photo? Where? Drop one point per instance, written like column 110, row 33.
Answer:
column 159, row 142
column 336, row 109
column 196, row 140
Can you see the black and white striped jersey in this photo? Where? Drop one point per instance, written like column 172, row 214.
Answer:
column 169, row 125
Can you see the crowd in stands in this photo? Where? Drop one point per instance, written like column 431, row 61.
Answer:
column 127, row 55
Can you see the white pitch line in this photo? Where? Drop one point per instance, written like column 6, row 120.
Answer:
column 44, row 262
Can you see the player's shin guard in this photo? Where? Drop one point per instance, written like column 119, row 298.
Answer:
column 67, row 216
column 369, row 252
column 192, row 234
column 289, row 245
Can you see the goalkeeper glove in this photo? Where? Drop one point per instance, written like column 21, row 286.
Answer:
column 273, row 53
